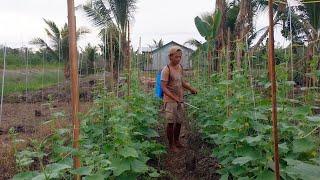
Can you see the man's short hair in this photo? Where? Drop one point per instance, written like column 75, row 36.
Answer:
column 174, row 49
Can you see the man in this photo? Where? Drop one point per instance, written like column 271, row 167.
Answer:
column 172, row 84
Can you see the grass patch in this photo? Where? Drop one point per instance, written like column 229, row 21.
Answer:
column 15, row 81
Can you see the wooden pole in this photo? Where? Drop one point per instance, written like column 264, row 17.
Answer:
column 74, row 80
column 273, row 90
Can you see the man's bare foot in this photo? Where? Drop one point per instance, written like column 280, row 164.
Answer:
column 178, row 145
column 173, row 149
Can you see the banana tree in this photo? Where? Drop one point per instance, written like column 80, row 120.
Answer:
column 312, row 28
column 208, row 28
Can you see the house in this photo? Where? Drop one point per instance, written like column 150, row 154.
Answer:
column 159, row 57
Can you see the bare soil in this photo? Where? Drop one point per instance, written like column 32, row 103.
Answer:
column 34, row 116
column 193, row 162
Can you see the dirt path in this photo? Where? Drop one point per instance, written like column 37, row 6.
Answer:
column 194, row 162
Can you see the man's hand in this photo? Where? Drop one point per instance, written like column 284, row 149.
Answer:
column 178, row 100
column 193, row 91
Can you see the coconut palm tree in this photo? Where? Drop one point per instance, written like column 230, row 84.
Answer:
column 113, row 13
column 58, row 44
column 156, row 44
column 110, row 13
column 90, row 53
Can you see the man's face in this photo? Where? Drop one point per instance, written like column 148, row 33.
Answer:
column 176, row 57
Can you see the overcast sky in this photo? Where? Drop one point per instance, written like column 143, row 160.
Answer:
column 22, row 20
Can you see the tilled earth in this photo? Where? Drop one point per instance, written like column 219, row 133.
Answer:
column 193, row 162
column 34, row 116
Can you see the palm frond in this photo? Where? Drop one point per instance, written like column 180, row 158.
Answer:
column 207, row 17
column 122, row 11
column 43, row 45
column 39, row 42
column 193, row 42
column 55, row 32
column 82, row 31
column 98, row 13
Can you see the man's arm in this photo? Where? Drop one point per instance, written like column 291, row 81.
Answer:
column 168, row 93
column 188, row 87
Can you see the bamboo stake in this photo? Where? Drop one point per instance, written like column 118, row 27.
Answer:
column 27, row 73
column 228, row 71
column 273, row 90
column 129, row 60
column 3, row 76
column 118, row 65
column 138, row 58
column 74, row 81
column 111, row 62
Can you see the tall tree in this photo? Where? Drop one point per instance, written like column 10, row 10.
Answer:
column 208, row 27
column 90, row 55
column 156, row 44
column 113, row 13
column 58, row 44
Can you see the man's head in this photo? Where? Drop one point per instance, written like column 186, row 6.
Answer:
column 175, row 54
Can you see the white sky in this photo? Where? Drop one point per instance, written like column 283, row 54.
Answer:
column 22, row 20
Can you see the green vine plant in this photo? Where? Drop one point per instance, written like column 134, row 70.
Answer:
column 243, row 138
column 117, row 141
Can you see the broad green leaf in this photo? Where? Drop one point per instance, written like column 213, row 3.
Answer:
column 243, row 178
column 96, row 177
column 313, row 118
column 128, row 152
column 256, row 116
column 242, row 160
column 203, row 27
column 292, row 162
column 250, row 151
column 231, row 124
column 25, row 175
column 154, row 174
column 127, row 177
column 266, row 175
column 267, row 85
column 224, row 177
column 63, row 131
column 262, row 128
column 151, row 133
column 238, row 170
column 290, row 83
column 120, row 166
column 56, row 167
column 82, row 171
column 139, row 166
column 41, row 176
column 253, row 140
column 316, row 160
column 305, row 171
column 216, row 23
column 225, row 82
column 303, row 145
column 283, row 147
column 63, row 149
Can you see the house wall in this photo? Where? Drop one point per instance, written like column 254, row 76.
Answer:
column 160, row 58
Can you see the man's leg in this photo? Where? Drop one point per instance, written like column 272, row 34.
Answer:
column 180, row 114
column 177, row 129
column 170, row 136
